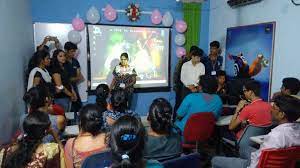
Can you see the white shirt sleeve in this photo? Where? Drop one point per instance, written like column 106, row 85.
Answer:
column 279, row 137
column 202, row 71
column 184, row 75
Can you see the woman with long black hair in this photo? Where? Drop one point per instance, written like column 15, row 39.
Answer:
column 124, row 78
column 39, row 99
column 38, row 73
column 127, row 144
column 30, row 151
column 64, row 94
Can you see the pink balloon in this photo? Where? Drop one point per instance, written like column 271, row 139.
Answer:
column 181, row 26
column 180, row 52
column 110, row 13
column 156, row 17
column 78, row 24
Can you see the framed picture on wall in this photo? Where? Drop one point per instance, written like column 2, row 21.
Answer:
column 249, row 54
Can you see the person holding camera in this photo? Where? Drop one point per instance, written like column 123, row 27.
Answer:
column 47, row 39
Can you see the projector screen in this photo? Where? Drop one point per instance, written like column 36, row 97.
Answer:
column 147, row 48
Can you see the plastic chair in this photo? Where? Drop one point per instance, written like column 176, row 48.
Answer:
column 244, row 142
column 199, row 128
column 279, row 158
column 97, row 160
column 191, row 161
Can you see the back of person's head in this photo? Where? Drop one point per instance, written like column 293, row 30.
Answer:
column 292, row 84
column 253, row 86
column 119, row 100
column 215, row 44
column 102, row 92
column 70, row 46
column 193, row 48
column 208, row 84
column 44, row 47
column 197, row 52
column 35, row 125
column 289, row 105
column 160, row 116
column 37, row 97
column 127, row 142
column 91, row 119
column 221, row 73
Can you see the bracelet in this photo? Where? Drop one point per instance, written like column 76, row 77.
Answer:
column 61, row 87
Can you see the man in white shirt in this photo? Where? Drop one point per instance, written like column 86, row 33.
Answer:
column 191, row 72
column 285, row 111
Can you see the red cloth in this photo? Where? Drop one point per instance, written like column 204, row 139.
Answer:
column 258, row 113
column 58, row 110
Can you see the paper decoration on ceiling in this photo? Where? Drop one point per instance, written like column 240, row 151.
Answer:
column 133, row 12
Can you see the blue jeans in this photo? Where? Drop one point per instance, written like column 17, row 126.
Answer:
column 228, row 162
column 65, row 103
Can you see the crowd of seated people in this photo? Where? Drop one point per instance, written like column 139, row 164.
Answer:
column 285, row 111
column 109, row 126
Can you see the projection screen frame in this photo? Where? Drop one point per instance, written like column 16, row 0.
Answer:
column 136, row 90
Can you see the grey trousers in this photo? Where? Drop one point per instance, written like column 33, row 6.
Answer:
column 243, row 161
column 228, row 162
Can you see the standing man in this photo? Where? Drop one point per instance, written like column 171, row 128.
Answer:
column 73, row 69
column 214, row 61
column 191, row 72
column 177, row 87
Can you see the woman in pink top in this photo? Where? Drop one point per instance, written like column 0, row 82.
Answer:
column 90, row 140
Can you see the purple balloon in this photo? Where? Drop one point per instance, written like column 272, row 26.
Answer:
column 78, row 24
column 156, row 17
column 181, row 26
column 180, row 52
column 110, row 13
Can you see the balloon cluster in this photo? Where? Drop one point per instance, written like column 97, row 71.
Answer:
column 110, row 14
column 181, row 27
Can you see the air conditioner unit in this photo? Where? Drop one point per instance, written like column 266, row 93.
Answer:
column 238, row 3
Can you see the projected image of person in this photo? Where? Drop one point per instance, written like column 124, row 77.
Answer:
column 124, row 78
column 143, row 62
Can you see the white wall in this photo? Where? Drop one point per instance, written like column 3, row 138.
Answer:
column 16, row 46
column 287, row 36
